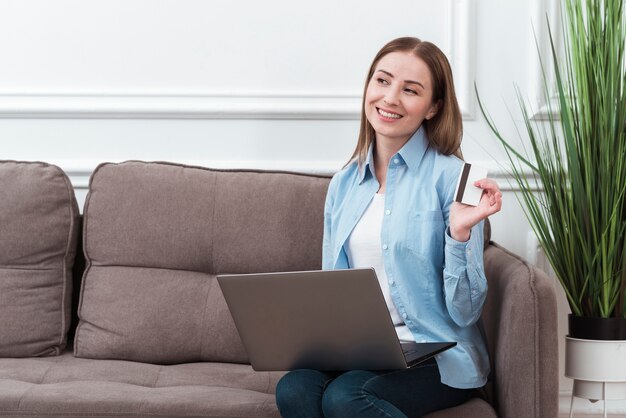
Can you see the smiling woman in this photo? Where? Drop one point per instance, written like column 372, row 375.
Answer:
column 391, row 208
column 421, row 70
column 395, row 104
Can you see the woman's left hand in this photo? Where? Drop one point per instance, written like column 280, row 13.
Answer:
column 464, row 217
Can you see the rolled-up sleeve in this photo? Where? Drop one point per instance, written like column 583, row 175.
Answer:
column 465, row 285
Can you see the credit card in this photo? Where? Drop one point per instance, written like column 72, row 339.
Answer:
column 466, row 192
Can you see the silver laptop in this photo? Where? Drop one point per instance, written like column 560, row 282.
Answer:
column 323, row 320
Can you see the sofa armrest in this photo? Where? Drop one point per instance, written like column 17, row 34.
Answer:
column 520, row 325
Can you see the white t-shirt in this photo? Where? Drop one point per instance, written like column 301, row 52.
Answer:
column 363, row 248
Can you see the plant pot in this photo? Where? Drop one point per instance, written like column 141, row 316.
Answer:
column 595, row 357
column 598, row 368
column 589, row 328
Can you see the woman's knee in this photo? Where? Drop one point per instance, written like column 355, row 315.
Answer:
column 300, row 390
column 344, row 394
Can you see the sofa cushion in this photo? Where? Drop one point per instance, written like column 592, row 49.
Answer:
column 156, row 234
column 474, row 408
column 70, row 386
column 38, row 234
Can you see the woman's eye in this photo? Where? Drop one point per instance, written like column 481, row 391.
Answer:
column 382, row 81
column 410, row 91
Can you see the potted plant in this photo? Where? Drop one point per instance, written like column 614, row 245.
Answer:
column 572, row 185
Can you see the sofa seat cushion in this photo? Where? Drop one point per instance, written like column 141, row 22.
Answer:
column 70, row 386
column 474, row 408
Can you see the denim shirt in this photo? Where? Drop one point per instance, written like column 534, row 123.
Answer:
column 437, row 284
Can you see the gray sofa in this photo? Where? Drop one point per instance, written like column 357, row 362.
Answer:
column 155, row 337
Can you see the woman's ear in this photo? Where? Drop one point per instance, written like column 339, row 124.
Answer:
column 433, row 110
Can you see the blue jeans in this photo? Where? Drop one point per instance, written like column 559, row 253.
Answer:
column 405, row 393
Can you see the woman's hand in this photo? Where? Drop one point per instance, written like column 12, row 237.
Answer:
column 464, row 217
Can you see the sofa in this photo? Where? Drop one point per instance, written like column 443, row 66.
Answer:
column 117, row 312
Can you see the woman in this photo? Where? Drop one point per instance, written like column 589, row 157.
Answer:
column 392, row 208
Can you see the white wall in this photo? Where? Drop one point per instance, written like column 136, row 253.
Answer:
column 274, row 84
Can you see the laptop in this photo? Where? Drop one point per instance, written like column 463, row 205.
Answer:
column 331, row 320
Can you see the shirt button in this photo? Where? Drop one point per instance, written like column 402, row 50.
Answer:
column 469, row 251
column 391, row 282
column 387, row 212
column 404, row 315
column 396, row 161
column 385, row 246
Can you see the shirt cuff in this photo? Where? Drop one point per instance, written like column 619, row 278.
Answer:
column 456, row 252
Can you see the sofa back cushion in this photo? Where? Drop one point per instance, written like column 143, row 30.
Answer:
column 156, row 235
column 38, row 235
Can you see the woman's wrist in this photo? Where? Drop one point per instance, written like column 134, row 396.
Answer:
column 460, row 234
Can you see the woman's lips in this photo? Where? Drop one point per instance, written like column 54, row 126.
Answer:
column 387, row 114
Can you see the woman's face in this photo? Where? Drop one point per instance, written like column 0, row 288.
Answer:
column 399, row 96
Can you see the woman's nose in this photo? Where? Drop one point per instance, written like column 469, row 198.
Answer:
column 391, row 98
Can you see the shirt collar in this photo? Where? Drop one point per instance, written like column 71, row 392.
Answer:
column 411, row 153
column 415, row 148
column 368, row 165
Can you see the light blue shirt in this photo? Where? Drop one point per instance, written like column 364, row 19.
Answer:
column 437, row 284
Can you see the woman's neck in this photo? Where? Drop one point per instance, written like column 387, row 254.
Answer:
column 383, row 151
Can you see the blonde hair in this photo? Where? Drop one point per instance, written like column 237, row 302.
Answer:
column 445, row 129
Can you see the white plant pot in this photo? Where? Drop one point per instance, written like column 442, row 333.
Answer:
column 598, row 368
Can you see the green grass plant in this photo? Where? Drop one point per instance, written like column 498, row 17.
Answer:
column 577, row 159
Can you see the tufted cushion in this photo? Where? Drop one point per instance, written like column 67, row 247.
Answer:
column 156, row 234
column 69, row 386
column 38, row 233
